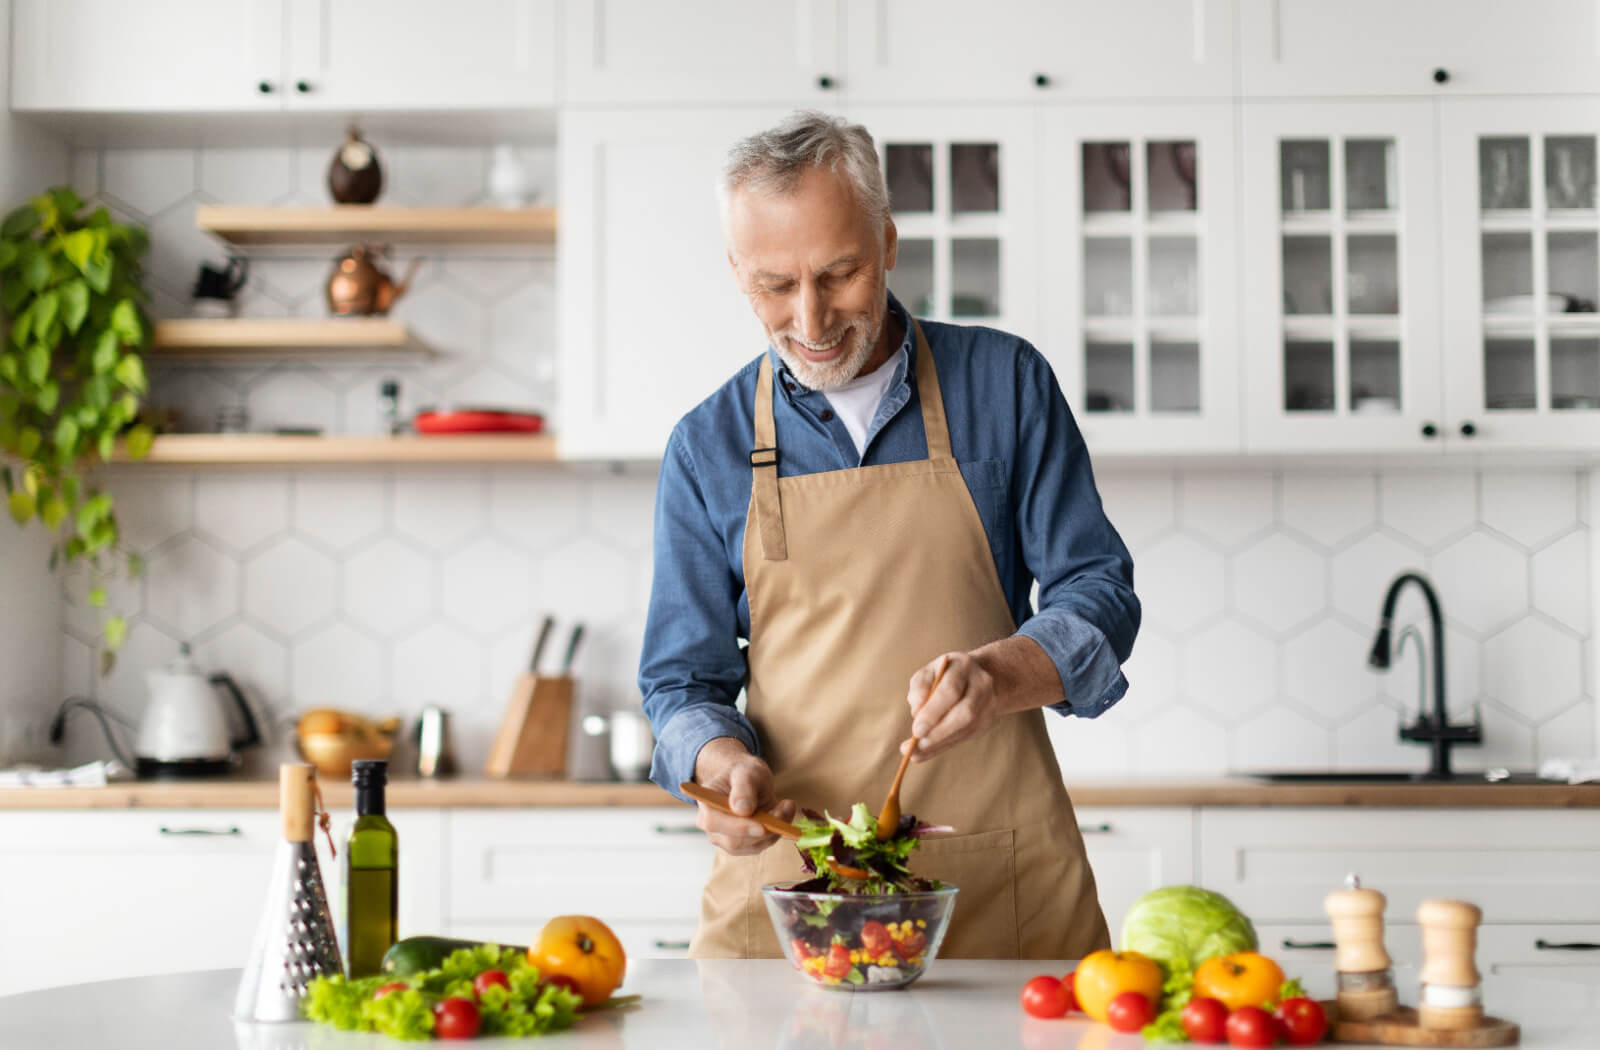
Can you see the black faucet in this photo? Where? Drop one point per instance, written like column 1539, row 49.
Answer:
column 1436, row 729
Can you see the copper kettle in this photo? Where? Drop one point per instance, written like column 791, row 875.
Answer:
column 358, row 286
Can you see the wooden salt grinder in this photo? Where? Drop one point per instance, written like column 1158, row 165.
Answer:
column 1366, row 985
column 1450, row 979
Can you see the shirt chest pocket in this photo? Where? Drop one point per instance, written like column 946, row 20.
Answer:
column 988, row 481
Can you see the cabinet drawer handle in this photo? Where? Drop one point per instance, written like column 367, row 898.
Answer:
column 1094, row 829
column 671, row 946
column 231, row 831
column 677, row 829
column 1570, row 946
column 1291, row 944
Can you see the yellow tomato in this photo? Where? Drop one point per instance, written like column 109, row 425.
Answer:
column 1104, row 975
column 1240, row 979
column 583, row 949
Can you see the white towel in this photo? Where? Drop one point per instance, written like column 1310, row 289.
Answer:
column 1572, row 770
column 90, row 774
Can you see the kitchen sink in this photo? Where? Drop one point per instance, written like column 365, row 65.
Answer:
column 1389, row 776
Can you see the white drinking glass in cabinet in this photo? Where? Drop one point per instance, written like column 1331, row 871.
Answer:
column 1138, row 277
column 1340, row 299
column 1522, row 258
column 961, row 195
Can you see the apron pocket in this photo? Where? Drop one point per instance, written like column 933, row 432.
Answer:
column 984, row 867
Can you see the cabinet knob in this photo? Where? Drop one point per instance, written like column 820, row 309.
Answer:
column 1429, row 430
column 303, row 86
column 264, row 87
column 825, row 82
column 1441, row 76
column 1041, row 80
column 1468, row 429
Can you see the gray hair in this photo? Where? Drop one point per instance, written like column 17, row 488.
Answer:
column 773, row 161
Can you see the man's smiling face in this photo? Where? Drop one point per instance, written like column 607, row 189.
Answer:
column 815, row 266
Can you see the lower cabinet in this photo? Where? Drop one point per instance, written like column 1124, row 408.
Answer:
column 1133, row 850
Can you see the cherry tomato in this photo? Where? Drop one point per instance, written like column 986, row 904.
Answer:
column 490, row 979
column 393, row 986
column 1069, row 984
column 800, row 949
column 1304, row 1021
column 1129, row 1012
column 911, row 945
column 1044, row 996
column 1205, row 1020
column 1251, row 1027
column 838, row 964
column 456, row 1018
column 875, row 937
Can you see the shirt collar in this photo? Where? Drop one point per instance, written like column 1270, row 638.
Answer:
column 792, row 387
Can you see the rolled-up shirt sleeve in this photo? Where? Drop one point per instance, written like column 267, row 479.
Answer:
column 691, row 667
column 1087, row 613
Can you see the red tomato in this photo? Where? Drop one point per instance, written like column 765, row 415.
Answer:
column 1204, row 1020
column 1129, row 1012
column 875, row 937
column 561, row 980
column 1303, row 1020
column 456, row 1018
column 838, row 963
column 385, row 989
column 1044, row 996
column 800, row 949
column 1069, row 984
column 489, row 979
column 911, row 945
column 1251, row 1027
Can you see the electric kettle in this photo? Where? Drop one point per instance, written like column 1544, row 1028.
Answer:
column 184, row 731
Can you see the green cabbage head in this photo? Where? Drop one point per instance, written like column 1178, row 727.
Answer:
column 1183, row 926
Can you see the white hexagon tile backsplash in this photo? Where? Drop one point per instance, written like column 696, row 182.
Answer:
column 384, row 589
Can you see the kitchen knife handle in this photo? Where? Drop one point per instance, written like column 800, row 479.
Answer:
column 1290, row 944
column 1094, row 829
column 1567, row 946
column 231, row 831
column 545, row 627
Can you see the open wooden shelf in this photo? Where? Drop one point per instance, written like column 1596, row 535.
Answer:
column 274, row 449
column 204, row 337
column 343, row 223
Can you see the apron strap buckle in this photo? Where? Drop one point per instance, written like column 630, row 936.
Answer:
column 764, row 457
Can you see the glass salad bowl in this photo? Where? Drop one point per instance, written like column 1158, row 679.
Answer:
column 860, row 942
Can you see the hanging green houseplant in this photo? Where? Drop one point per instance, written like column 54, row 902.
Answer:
column 71, row 376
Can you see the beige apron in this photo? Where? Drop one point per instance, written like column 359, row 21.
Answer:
column 856, row 578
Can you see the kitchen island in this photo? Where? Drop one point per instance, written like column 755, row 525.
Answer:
column 724, row 1003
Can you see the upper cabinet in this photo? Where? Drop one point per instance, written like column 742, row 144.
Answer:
column 269, row 55
column 920, row 51
column 714, row 52
column 1449, row 47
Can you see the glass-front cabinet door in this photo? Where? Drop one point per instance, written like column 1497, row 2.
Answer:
column 1340, row 294
column 961, row 189
column 1139, row 295
column 1522, row 272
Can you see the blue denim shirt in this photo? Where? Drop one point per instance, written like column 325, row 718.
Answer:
column 1024, row 462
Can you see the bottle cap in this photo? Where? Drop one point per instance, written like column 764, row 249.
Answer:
column 369, row 772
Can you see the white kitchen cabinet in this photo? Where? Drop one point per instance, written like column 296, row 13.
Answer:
column 643, row 52
column 1139, row 210
column 1518, row 865
column 1341, row 300
column 923, row 51
column 1377, row 47
column 271, row 55
column 651, row 319
column 1133, row 850
column 1521, row 261
column 178, row 55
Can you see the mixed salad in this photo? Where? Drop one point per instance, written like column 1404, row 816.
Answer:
column 856, row 845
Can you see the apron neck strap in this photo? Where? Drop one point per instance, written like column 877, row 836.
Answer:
column 934, row 424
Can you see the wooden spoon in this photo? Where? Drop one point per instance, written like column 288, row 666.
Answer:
column 718, row 800
column 889, row 815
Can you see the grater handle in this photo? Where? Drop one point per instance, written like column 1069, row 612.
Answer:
column 296, row 782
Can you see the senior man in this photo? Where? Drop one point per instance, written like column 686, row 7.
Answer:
column 869, row 497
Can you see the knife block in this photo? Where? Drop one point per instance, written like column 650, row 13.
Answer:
column 532, row 739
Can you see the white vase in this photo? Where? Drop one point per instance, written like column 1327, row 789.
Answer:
column 508, row 178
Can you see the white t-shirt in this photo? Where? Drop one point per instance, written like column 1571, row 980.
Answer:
column 856, row 402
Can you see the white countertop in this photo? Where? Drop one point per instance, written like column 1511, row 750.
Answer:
column 722, row 1004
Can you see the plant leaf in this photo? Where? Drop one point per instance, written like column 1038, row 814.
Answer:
column 20, row 504
column 78, row 246
column 67, row 436
column 108, row 445
column 53, row 511
column 19, row 221
column 22, row 327
column 104, row 358
column 139, row 440
column 35, row 271
column 130, row 373
column 125, row 322
column 45, row 309
column 97, row 271
column 47, row 397
column 116, row 633
column 97, row 597
column 74, row 304
column 36, row 363
column 28, row 442
column 66, row 200
column 8, row 254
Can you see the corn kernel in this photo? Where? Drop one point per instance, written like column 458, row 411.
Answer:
column 922, row 924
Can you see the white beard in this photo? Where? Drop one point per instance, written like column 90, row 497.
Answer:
column 860, row 336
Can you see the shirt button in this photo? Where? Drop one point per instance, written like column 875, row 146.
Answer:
column 827, row 414
column 788, row 386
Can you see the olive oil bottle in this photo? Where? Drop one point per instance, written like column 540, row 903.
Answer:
column 372, row 860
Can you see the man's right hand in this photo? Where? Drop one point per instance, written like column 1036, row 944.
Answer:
column 724, row 764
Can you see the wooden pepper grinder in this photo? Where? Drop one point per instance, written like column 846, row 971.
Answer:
column 1366, row 978
column 1451, row 996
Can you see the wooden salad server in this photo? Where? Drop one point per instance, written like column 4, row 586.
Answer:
column 889, row 815
column 718, row 800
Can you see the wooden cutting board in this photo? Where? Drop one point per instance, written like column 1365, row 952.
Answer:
column 1401, row 1028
